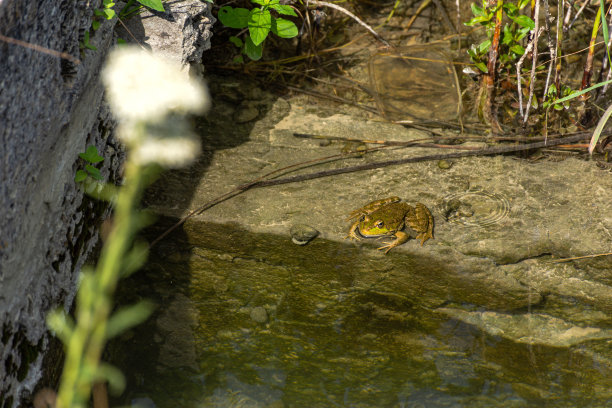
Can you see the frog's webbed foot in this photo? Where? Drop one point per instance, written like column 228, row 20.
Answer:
column 424, row 236
column 401, row 237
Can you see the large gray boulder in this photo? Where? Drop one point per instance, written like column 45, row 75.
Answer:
column 51, row 109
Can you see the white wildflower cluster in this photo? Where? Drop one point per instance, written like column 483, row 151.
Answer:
column 149, row 95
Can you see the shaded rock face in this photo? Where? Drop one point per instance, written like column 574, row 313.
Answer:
column 51, row 109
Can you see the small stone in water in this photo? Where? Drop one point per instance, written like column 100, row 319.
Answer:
column 301, row 234
column 246, row 114
column 444, row 165
column 258, row 314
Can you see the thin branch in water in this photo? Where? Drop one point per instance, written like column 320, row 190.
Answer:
column 581, row 257
column 578, row 13
column 519, row 66
column 422, row 7
column 551, row 47
column 588, row 65
column 458, row 8
column 264, row 180
column 354, row 17
column 445, row 16
column 534, row 59
column 490, row 76
column 558, row 50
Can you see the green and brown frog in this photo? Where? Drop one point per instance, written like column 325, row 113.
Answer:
column 388, row 217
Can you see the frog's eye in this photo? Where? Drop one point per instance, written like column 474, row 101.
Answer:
column 379, row 224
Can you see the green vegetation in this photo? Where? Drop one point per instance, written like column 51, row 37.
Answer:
column 154, row 137
column 513, row 32
column 91, row 157
column 260, row 22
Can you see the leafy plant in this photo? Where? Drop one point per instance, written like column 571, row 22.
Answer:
column 92, row 157
column 155, row 135
column 260, row 22
column 553, row 96
column 131, row 7
column 513, row 32
column 86, row 44
column 106, row 12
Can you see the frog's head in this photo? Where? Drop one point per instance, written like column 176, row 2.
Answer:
column 374, row 227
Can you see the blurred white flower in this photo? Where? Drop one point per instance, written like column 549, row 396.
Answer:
column 170, row 143
column 141, row 86
column 148, row 95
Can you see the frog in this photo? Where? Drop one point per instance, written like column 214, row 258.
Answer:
column 388, row 217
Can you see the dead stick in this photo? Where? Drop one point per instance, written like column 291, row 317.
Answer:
column 376, row 165
column 264, row 183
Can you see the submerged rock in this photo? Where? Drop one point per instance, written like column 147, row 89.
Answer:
column 258, row 314
column 529, row 328
column 302, row 234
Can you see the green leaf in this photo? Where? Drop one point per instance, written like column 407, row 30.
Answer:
column 95, row 24
column 154, row 4
column 233, row 17
column 61, row 325
column 80, row 176
column 477, row 11
column 476, row 20
column 508, row 35
column 524, row 21
column 481, row 66
column 127, row 317
column 523, row 3
column 283, row 9
column 136, row 257
column 238, row 59
column 86, row 43
column 521, row 33
column 517, row 49
column 604, row 29
column 261, row 2
column 91, row 155
column 93, row 172
column 511, row 9
column 260, row 22
column 236, row 41
column 253, row 51
column 121, row 41
column 109, row 14
column 484, row 46
column 114, row 376
column 284, row 28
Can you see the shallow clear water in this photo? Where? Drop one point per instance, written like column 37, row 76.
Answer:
column 248, row 327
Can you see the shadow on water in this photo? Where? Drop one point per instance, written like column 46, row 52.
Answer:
column 251, row 320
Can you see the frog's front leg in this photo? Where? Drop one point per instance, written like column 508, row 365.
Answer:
column 352, row 234
column 400, row 238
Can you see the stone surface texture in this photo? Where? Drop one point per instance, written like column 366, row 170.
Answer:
column 51, row 109
column 501, row 223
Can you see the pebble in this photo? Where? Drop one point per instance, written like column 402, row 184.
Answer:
column 258, row 314
column 301, row 234
column 246, row 114
column 444, row 165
